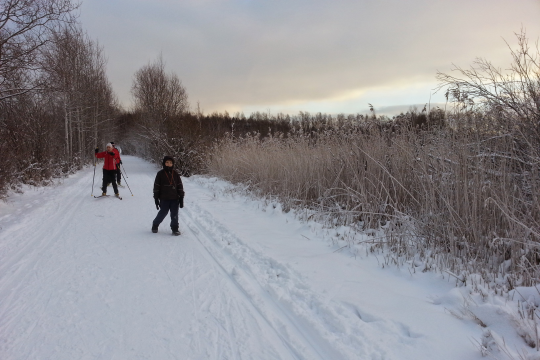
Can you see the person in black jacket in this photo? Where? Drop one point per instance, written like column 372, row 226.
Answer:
column 168, row 195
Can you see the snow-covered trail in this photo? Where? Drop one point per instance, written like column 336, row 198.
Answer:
column 84, row 278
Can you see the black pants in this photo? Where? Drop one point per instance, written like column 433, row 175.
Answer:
column 164, row 207
column 109, row 176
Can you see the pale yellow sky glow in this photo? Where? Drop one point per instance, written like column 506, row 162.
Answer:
column 332, row 56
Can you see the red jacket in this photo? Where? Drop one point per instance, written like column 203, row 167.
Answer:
column 110, row 160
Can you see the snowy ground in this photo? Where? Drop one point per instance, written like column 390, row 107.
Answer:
column 84, row 278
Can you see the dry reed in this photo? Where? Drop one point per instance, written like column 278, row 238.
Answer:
column 464, row 201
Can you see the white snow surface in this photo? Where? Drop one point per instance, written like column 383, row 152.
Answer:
column 84, row 278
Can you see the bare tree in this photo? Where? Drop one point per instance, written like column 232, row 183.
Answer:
column 159, row 96
column 160, row 104
column 75, row 75
column 512, row 93
column 25, row 27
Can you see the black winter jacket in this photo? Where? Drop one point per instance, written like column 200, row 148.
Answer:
column 168, row 185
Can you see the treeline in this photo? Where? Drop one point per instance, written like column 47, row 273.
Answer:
column 55, row 99
column 193, row 138
column 189, row 137
column 162, row 123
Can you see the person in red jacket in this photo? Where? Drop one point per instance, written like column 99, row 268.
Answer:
column 109, row 168
column 118, row 171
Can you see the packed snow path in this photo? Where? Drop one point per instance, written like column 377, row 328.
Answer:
column 84, row 278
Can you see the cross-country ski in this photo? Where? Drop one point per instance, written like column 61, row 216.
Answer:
column 102, row 196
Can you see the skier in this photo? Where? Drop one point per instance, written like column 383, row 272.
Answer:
column 118, row 171
column 168, row 195
column 109, row 168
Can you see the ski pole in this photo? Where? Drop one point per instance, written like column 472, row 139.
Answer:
column 124, row 169
column 124, row 178
column 94, row 176
column 127, row 184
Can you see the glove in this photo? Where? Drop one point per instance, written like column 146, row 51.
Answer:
column 111, row 153
column 120, row 162
column 96, row 150
column 157, row 203
column 181, row 200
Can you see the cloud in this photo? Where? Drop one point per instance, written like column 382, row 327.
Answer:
column 245, row 54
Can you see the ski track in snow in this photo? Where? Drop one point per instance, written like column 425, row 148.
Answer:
column 287, row 303
column 84, row 278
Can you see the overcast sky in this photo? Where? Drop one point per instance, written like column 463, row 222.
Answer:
column 333, row 56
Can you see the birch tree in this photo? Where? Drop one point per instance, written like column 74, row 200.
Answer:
column 75, row 72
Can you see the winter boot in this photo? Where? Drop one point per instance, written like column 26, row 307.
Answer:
column 175, row 232
column 103, row 194
column 154, row 229
column 117, row 195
